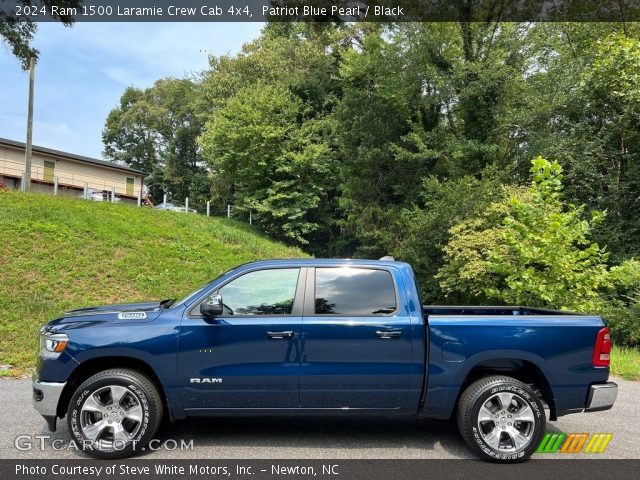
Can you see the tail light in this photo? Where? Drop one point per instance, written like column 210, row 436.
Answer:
column 602, row 349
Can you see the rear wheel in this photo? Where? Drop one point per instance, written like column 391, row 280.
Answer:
column 501, row 419
column 114, row 413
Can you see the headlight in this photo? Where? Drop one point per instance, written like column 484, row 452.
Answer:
column 53, row 342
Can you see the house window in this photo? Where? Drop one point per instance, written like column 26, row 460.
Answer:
column 49, row 167
column 130, row 183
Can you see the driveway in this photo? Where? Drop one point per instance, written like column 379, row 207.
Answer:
column 310, row 437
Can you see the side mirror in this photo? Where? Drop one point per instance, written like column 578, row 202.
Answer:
column 212, row 306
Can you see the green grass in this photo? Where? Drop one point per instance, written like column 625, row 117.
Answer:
column 60, row 253
column 625, row 362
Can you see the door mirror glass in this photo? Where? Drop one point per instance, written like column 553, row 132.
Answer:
column 212, row 306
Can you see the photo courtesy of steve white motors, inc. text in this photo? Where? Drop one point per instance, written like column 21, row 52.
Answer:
column 168, row 469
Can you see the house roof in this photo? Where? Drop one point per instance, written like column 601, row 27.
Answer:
column 71, row 156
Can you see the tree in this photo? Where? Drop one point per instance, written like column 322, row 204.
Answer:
column 581, row 108
column 18, row 32
column 387, row 105
column 427, row 228
column 421, row 100
column 155, row 130
column 284, row 57
column 277, row 160
column 532, row 250
column 131, row 134
column 268, row 134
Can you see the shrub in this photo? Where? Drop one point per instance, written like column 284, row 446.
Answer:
column 530, row 249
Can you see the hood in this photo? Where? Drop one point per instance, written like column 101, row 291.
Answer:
column 118, row 307
column 105, row 314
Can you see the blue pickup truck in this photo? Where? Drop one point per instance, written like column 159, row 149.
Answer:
column 286, row 337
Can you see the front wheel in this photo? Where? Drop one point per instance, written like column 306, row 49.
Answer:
column 114, row 413
column 501, row 419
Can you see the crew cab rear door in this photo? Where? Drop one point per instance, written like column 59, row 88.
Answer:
column 356, row 338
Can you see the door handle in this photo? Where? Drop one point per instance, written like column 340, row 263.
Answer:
column 280, row 335
column 385, row 334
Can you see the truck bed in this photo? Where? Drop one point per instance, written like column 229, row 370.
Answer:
column 513, row 310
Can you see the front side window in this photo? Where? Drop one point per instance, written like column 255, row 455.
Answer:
column 354, row 291
column 264, row 292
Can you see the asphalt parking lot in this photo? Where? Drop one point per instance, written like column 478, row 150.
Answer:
column 365, row 437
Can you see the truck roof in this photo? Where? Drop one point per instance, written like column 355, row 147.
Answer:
column 326, row 261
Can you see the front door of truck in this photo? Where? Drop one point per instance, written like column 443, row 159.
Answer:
column 249, row 356
column 357, row 340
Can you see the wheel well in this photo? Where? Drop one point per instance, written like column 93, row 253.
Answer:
column 95, row 365
column 522, row 370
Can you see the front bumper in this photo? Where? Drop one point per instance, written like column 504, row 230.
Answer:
column 601, row 396
column 46, row 396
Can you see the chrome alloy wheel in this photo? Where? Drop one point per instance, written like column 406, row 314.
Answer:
column 110, row 417
column 506, row 422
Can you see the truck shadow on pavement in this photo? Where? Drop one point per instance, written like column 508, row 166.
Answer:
column 359, row 436
column 308, row 436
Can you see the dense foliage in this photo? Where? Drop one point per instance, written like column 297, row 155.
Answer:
column 417, row 140
column 155, row 130
column 529, row 249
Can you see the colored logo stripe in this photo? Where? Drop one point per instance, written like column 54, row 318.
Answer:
column 573, row 443
column 598, row 442
column 550, row 443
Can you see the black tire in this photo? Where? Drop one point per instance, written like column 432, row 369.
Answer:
column 126, row 426
column 498, row 426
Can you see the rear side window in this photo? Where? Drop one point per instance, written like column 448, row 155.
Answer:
column 354, row 291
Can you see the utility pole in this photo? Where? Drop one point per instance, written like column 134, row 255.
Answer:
column 28, row 152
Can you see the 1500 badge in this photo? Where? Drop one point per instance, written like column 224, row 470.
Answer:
column 132, row 316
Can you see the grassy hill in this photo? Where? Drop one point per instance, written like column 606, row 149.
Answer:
column 60, row 253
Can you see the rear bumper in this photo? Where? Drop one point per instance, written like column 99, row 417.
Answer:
column 46, row 396
column 601, row 396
